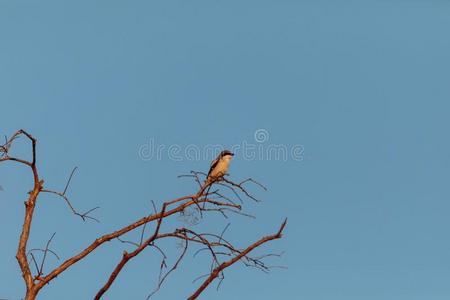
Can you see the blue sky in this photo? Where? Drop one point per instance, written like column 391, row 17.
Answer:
column 362, row 86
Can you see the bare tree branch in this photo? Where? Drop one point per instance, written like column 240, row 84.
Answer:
column 127, row 256
column 230, row 262
column 215, row 245
column 21, row 255
column 163, row 277
column 84, row 216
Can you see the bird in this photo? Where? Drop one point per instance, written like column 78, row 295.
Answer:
column 219, row 166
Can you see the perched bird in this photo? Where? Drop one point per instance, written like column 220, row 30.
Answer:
column 219, row 166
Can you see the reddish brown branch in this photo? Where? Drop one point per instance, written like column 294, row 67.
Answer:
column 107, row 237
column 30, row 204
column 217, row 249
column 218, row 270
column 127, row 256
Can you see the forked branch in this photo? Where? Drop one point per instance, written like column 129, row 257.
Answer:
column 216, row 201
column 218, row 270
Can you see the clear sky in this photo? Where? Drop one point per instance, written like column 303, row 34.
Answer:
column 361, row 86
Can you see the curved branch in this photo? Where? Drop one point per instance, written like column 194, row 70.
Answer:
column 218, row 249
column 108, row 237
column 127, row 256
column 218, row 270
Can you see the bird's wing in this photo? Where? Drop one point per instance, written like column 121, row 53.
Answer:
column 213, row 165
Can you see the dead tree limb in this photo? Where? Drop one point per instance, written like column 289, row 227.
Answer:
column 218, row 270
column 216, row 245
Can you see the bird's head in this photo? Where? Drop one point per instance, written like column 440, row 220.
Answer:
column 226, row 154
